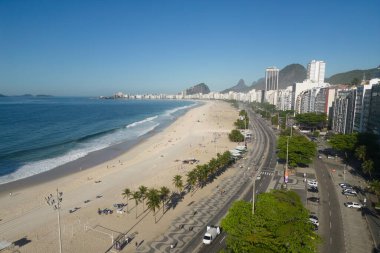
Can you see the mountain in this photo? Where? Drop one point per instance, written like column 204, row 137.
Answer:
column 199, row 88
column 1, row 95
column 239, row 87
column 287, row 76
column 353, row 76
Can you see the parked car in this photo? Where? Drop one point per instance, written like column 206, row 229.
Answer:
column 349, row 193
column 353, row 205
column 314, row 199
column 314, row 219
column 345, row 185
column 312, row 182
column 313, row 189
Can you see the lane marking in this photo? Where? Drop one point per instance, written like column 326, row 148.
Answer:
column 330, row 224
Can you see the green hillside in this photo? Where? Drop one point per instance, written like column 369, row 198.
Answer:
column 353, row 76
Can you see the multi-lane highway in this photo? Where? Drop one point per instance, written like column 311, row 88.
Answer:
column 261, row 157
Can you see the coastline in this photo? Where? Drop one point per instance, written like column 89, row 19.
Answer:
column 200, row 133
column 89, row 161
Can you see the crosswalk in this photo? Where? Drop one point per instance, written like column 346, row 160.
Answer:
column 267, row 173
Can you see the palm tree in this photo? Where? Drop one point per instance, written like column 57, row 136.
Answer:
column 143, row 190
column 177, row 181
column 361, row 152
column 164, row 193
column 126, row 193
column 375, row 187
column 367, row 167
column 154, row 200
column 191, row 178
column 137, row 197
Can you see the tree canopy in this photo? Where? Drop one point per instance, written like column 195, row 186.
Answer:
column 311, row 120
column 280, row 224
column 301, row 150
column 236, row 136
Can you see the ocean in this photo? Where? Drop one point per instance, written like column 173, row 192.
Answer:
column 38, row 134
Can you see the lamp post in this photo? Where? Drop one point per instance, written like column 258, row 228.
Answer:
column 287, row 158
column 55, row 202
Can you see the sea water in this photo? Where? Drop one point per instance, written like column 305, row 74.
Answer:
column 38, row 134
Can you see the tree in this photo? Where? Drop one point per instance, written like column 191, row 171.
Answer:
column 126, row 193
column 153, row 202
column 191, row 178
column 164, row 194
column 177, row 181
column 367, row 167
column 300, row 150
column 143, row 190
column 311, row 120
column 236, row 136
column 355, row 81
column 137, row 197
column 374, row 185
column 280, row 224
column 344, row 142
column 361, row 152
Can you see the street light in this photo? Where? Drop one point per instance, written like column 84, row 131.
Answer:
column 55, row 202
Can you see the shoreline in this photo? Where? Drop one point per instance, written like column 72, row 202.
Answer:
column 89, row 161
column 200, row 133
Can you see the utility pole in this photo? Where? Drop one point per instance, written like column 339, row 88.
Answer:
column 55, row 202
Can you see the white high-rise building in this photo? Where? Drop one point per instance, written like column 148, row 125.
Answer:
column 316, row 71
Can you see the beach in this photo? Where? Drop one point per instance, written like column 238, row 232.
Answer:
column 200, row 133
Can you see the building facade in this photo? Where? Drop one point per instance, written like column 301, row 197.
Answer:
column 316, row 71
column 271, row 84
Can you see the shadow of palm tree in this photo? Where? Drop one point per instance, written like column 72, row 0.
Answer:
column 22, row 242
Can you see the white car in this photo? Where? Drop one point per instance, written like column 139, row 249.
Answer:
column 312, row 182
column 314, row 219
column 353, row 205
column 258, row 177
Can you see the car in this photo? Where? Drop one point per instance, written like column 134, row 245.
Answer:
column 312, row 216
column 319, row 156
column 349, row 190
column 312, row 183
column 353, row 205
column 258, row 177
column 120, row 211
column 349, row 193
column 313, row 219
column 313, row 199
column 345, row 185
column 313, row 189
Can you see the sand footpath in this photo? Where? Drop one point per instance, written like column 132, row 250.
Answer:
column 26, row 218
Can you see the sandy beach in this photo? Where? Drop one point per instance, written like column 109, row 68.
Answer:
column 26, row 218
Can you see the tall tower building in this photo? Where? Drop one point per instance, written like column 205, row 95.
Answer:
column 271, row 85
column 271, row 78
column 316, row 71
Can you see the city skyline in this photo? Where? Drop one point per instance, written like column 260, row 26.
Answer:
column 99, row 48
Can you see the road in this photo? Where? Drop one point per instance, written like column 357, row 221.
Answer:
column 262, row 161
column 331, row 218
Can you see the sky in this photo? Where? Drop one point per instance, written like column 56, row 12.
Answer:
column 93, row 48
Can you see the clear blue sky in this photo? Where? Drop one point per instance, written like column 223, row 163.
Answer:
column 101, row 47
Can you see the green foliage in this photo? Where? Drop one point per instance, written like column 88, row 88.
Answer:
column 344, row 142
column 347, row 77
column 154, row 200
column 311, row 120
column 178, row 183
column 301, row 150
column 236, row 136
column 243, row 121
column 274, row 120
column 367, row 167
column 280, row 224
column 201, row 173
